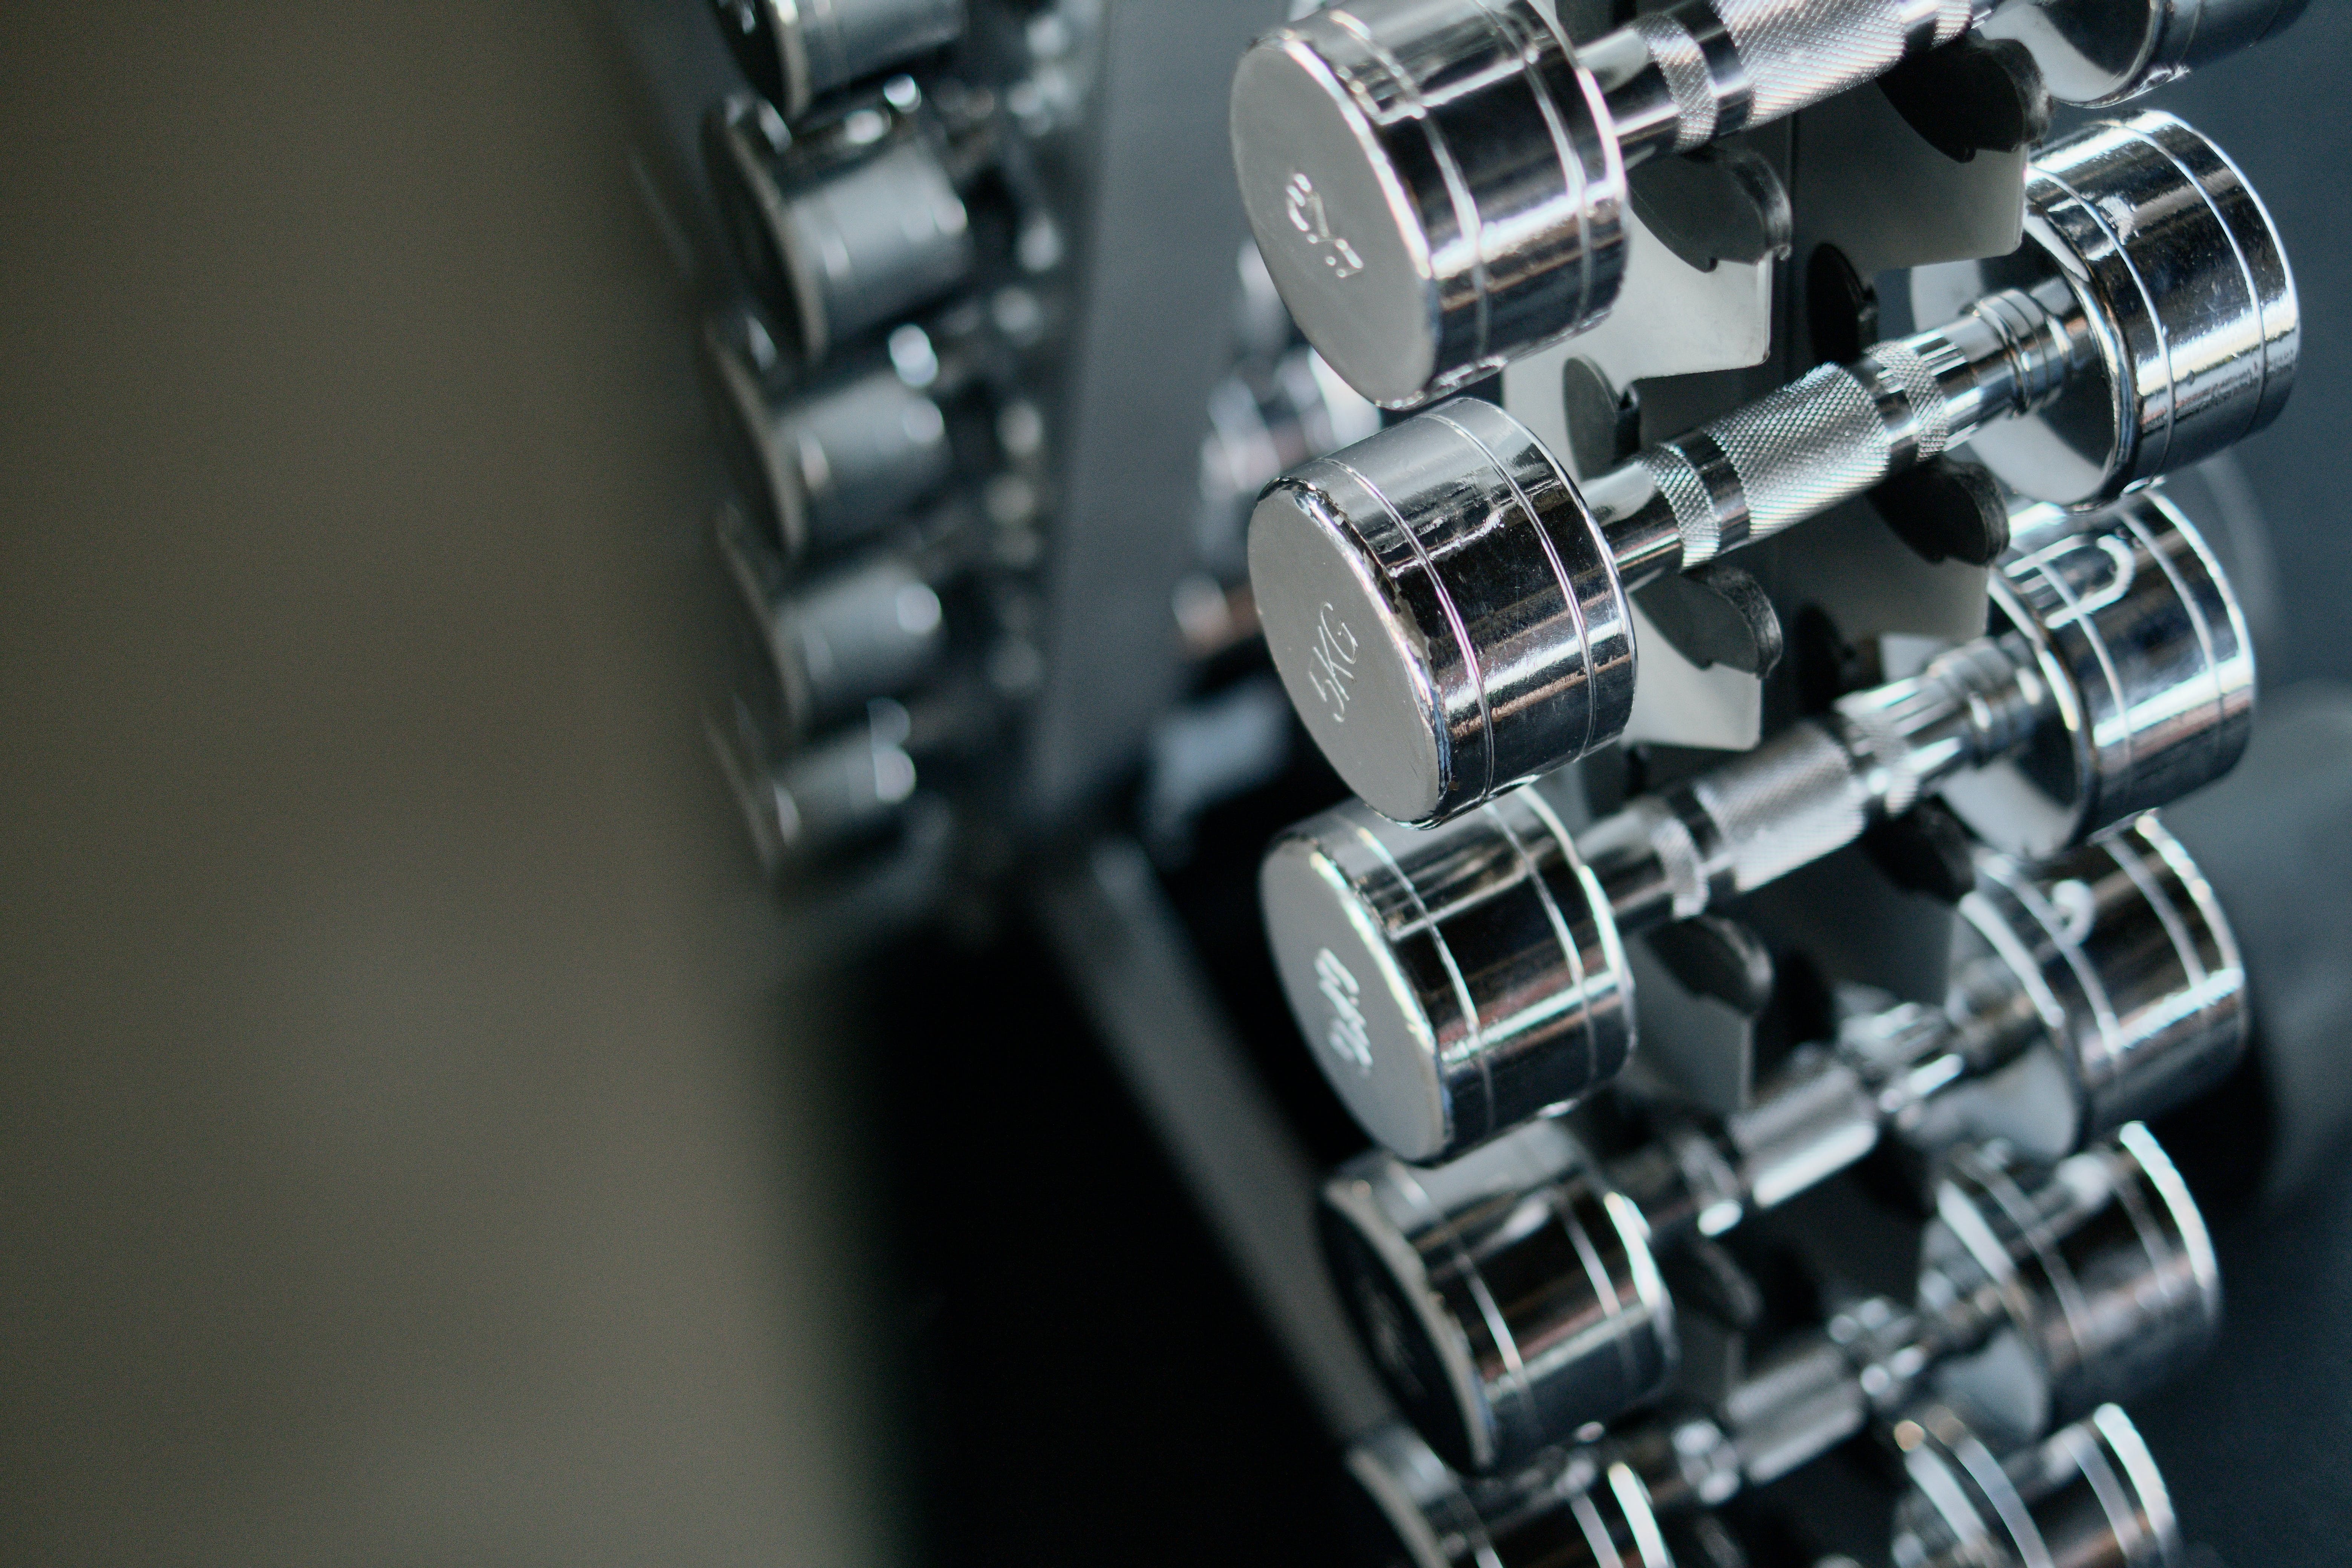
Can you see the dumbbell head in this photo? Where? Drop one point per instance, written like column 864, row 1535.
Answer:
column 2095, row 1274
column 2150, row 666
column 2187, row 299
column 1444, row 611
column 1450, row 984
column 795, row 51
column 2099, row 52
column 2090, row 1494
column 2123, row 954
column 1565, row 1510
column 833, row 463
column 1507, row 1298
column 847, row 251
column 1435, row 185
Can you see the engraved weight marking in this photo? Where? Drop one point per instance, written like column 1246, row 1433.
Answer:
column 1304, row 203
column 1348, row 1038
column 1334, row 661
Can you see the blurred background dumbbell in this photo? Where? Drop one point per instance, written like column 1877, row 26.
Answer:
column 1448, row 609
column 830, row 463
column 794, row 52
column 815, row 653
column 1439, row 188
column 1563, row 1510
column 1457, row 981
column 849, row 225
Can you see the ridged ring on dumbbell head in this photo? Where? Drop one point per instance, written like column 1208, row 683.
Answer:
column 2127, row 955
column 2191, row 302
column 1436, row 187
column 2097, row 52
column 2150, row 668
column 1443, row 610
column 2090, row 1494
column 1450, row 983
column 1507, row 1298
column 2101, row 1266
column 1567, row 1510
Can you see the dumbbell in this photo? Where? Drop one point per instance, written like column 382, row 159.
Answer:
column 879, row 229
column 1563, row 1510
column 831, row 463
column 2101, row 988
column 1449, row 612
column 795, row 51
column 2090, row 1494
column 1512, row 1295
column 1453, row 982
column 1439, row 185
column 820, row 651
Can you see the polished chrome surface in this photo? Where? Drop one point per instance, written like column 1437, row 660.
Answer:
column 2130, row 965
column 1507, row 1298
column 2191, row 303
column 2141, row 646
column 2089, row 1494
column 2093, row 1280
column 1436, row 187
column 1452, row 983
column 2104, row 51
column 1562, row 1510
column 1443, row 609
column 795, row 51
column 839, row 462
column 1447, row 610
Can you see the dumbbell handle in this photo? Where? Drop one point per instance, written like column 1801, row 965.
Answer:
column 1826, row 1108
column 1833, row 435
column 1816, row 786
column 1680, row 77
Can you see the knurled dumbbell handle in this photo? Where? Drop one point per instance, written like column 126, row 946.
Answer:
column 1833, row 434
column 1680, row 77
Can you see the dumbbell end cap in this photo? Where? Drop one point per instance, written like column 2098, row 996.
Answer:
column 1346, row 654
column 1352, row 1000
column 1387, row 1292
column 1338, row 231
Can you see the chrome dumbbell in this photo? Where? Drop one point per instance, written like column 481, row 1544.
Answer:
column 2090, row 1494
column 827, row 647
column 1512, row 1298
column 1565, row 1510
column 1454, row 982
column 833, row 463
column 2109, row 971
column 1439, row 185
column 795, row 51
column 1448, row 610
column 882, row 230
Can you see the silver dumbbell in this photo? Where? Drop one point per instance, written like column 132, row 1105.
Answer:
column 2090, row 1494
column 827, row 647
column 1439, row 185
column 1513, row 1295
column 850, row 251
column 831, row 464
column 2094, row 989
column 1449, row 612
column 1564, row 1511
column 795, row 51
column 1455, row 981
